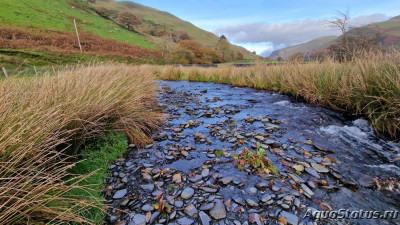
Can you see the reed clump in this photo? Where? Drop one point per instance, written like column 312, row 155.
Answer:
column 44, row 119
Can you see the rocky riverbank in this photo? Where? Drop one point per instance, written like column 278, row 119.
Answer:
column 189, row 175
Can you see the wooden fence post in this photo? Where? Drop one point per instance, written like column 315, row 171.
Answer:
column 77, row 35
column 5, row 72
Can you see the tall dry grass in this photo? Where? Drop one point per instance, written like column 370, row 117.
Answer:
column 367, row 86
column 42, row 116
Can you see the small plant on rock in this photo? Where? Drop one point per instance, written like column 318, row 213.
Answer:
column 256, row 159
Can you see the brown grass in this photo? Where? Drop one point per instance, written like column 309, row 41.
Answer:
column 41, row 116
column 368, row 86
column 56, row 41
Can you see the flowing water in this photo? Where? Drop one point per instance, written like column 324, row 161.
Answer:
column 207, row 123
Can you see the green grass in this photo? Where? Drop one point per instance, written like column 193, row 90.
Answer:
column 97, row 157
column 57, row 15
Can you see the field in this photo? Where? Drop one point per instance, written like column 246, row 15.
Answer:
column 49, row 17
column 368, row 86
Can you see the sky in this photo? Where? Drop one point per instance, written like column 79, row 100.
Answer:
column 267, row 25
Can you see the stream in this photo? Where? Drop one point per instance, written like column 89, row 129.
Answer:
column 189, row 174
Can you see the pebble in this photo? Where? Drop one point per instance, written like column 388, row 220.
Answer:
column 204, row 218
column 178, row 204
column 226, row 180
column 187, row 193
column 296, row 178
column 191, row 211
column 185, row 221
column 120, row 194
column 147, row 208
column 252, row 191
column 147, row 187
column 205, row 172
column 218, row 211
column 207, row 206
column 252, row 202
column 290, row 218
column 319, row 168
column 139, row 219
column 307, row 189
column 312, row 172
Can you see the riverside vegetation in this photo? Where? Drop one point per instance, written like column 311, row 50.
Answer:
column 46, row 122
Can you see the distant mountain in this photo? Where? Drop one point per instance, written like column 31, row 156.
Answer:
column 387, row 32
column 41, row 32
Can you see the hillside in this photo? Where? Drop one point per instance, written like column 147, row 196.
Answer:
column 314, row 45
column 387, row 32
column 41, row 32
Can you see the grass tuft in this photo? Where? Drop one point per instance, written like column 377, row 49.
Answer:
column 45, row 119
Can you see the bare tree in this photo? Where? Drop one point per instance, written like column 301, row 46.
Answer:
column 341, row 22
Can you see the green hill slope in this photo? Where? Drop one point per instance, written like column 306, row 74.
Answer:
column 41, row 32
column 58, row 15
column 387, row 32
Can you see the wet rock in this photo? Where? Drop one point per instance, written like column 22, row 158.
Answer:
column 147, row 208
column 113, row 219
column 187, row 193
column 298, row 167
column 204, row 218
column 307, row 190
column 178, row 204
column 226, row 180
column 139, row 219
column 312, row 172
column 205, row 172
column 206, row 207
column 319, row 168
column 367, row 181
column 266, row 198
column 252, row 202
column 208, row 190
column 290, row 218
column 185, row 221
column 296, row 178
column 218, row 211
column 252, row 191
column 238, row 200
column 191, row 211
column 196, row 178
column 262, row 185
column 147, row 187
column 120, row 194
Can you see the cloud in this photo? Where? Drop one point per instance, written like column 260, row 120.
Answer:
column 364, row 20
column 288, row 34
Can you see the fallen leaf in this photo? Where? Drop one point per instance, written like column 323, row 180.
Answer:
column 148, row 216
column 283, row 220
column 324, row 183
column 307, row 154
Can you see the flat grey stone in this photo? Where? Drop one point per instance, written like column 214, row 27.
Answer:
column 204, row 218
column 120, row 194
column 185, row 221
column 218, row 211
column 290, row 218
column 187, row 193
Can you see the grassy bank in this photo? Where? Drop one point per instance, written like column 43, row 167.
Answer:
column 45, row 119
column 368, row 86
column 96, row 158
